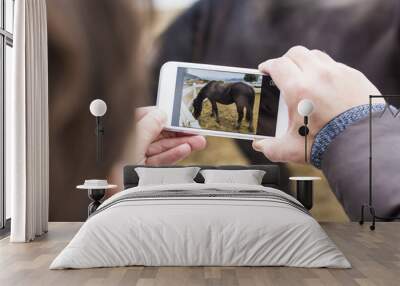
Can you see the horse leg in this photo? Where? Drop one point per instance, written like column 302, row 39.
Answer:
column 239, row 109
column 215, row 110
column 249, row 118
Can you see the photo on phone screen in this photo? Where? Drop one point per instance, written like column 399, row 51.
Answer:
column 225, row 101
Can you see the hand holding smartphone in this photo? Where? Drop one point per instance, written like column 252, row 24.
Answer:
column 220, row 101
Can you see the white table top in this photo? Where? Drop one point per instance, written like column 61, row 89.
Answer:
column 87, row 187
column 304, row 178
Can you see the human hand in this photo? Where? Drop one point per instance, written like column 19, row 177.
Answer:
column 311, row 74
column 157, row 147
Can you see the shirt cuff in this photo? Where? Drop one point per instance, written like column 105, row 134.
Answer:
column 336, row 126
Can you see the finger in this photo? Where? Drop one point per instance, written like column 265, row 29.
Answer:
column 142, row 111
column 196, row 143
column 284, row 72
column 149, row 128
column 302, row 57
column 322, row 56
column 171, row 156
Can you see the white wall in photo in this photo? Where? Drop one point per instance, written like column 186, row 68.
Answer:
column 173, row 4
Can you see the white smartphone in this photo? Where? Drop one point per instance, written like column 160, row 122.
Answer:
column 221, row 101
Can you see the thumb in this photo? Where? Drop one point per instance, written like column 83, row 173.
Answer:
column 148, row 128
column 272, row 148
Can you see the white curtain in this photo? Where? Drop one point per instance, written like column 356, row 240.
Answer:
column 27, row 144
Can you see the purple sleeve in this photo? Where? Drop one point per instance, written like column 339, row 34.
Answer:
column 346, row 165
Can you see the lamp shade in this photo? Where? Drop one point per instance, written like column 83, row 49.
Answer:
column 305, row 107
column 98, row 107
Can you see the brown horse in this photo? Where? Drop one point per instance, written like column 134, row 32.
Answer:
column 227, row 93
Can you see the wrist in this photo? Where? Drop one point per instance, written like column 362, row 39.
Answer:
column 336, row 126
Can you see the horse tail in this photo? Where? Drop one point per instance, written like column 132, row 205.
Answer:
column 249, row 109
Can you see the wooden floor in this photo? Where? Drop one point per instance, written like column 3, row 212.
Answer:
column 375, row 257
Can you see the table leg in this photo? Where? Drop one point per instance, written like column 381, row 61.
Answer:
column 96, row 196
column 305, row 193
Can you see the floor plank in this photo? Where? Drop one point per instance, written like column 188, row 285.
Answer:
column 375, row 257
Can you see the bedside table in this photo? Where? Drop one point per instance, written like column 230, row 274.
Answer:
column 304, row 190
column 96, row 191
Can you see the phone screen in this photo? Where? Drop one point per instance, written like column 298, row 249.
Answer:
column 225, row 101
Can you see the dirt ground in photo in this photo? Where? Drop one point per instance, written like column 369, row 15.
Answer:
column 228, row 117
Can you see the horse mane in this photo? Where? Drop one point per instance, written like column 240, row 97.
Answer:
column 198, row 101
column 202, row 93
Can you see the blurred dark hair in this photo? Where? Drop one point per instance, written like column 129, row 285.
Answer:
column 95, row 51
